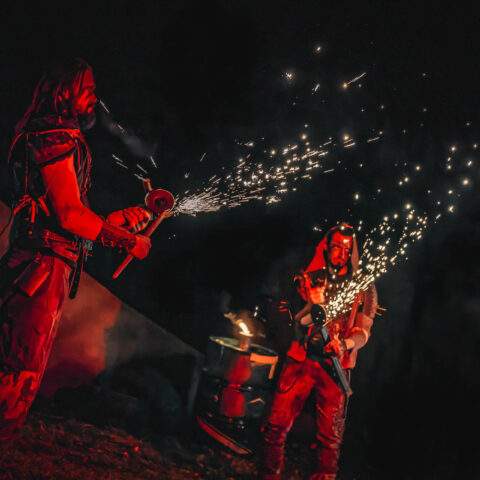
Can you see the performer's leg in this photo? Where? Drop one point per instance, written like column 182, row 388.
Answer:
column 294, row 386
column 330, row 406
column 28, row 326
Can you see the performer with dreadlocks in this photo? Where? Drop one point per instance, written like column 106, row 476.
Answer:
column 312, row 356
column 53, row 228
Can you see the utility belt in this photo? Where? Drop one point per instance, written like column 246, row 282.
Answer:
column 51, row 243
column 71, row 251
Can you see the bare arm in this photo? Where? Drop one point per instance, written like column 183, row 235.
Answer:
column 61, row 181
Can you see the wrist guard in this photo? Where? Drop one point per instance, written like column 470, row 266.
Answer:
column 111, row 236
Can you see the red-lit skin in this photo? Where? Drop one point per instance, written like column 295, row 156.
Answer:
column 76, row 217
column 339, row 251
column 64, row 194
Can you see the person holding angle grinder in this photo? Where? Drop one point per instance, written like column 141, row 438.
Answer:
column 53, row 228
column 321, row 357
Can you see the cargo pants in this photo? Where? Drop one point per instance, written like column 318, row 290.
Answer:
column 33, row 287
column 294, row 386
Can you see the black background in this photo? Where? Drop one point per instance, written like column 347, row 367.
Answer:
column 190, row 78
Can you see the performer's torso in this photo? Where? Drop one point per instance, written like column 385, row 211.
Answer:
column 31, row 152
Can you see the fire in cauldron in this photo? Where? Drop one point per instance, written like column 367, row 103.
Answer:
column 235, row 386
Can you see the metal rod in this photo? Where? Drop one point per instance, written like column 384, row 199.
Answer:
column 147, row 233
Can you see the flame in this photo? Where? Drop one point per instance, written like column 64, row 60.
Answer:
column 244, row 329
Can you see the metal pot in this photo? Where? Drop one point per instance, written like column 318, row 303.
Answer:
column 234, row 391
column 228, row 361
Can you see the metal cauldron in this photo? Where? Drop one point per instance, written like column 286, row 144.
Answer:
column 234, row 390
column 227, row 360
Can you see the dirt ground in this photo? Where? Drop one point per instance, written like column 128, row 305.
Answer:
column 52, row 447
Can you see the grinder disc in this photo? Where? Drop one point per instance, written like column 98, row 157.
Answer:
column 159, row 200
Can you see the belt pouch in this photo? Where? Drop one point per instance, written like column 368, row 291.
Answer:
column 33, row 277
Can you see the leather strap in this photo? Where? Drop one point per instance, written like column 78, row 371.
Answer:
column 112, row 236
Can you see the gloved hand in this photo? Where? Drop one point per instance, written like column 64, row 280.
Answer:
column 335, row 347
column 133, row 219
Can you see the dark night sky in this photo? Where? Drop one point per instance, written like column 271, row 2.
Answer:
column 191, row 77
